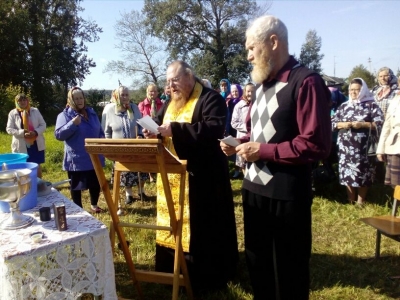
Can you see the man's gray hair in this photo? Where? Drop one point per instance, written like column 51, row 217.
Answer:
column 186, row 68
column 263, row 27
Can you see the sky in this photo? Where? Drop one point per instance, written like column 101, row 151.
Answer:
column 352, row 33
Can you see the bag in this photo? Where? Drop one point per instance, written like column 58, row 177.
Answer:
column 372, row 142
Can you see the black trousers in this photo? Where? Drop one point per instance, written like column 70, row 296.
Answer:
column 278, row 246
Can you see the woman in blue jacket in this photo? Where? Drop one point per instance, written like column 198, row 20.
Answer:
column 74, row 124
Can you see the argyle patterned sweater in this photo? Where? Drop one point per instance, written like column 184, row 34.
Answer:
column 273, row 120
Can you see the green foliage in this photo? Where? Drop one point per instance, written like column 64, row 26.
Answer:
column 7, row 100
column 139, row 95
column 210, row 35
column 43, row 45
column 310, row 52
column 93, row 97
column 340, row 241
column 361, row 72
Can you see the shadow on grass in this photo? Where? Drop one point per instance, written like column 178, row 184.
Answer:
column 378, row 193
column 328, row 271
column 235, row 289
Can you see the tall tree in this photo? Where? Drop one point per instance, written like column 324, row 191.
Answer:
column 209, row 34
column 362, row 72
column 50, row 46
column 144, row 55
column 310, row 51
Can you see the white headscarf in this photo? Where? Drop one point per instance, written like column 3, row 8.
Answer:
column 364, row 95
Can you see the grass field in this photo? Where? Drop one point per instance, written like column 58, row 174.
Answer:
column 340, row 241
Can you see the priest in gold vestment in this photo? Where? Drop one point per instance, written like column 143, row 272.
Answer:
column 191, row 124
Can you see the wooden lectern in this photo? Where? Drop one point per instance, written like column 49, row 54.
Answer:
column 148, row 156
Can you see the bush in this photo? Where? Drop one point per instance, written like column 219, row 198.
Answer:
column 7, row 100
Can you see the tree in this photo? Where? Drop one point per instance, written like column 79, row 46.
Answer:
column 309, row 53
column 50, row 46
column 144, row 55
column 362, row 72
column 210, row 35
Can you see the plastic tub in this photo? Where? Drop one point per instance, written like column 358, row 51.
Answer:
column 30, row 199
column 13, row 158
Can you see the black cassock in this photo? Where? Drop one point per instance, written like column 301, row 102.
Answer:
column 213, row 250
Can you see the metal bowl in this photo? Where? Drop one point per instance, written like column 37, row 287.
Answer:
column 14, row 184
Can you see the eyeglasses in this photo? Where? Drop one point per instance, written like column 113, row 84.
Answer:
column 173, row 80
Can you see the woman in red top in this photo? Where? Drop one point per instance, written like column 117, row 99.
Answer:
column 151, row 105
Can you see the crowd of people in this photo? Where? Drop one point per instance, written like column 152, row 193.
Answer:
column 285, row 121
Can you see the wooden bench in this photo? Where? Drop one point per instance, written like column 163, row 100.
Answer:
column 388, row 226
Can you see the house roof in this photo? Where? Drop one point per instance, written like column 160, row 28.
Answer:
column 332, row 81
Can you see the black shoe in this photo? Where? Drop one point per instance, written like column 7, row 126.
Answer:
column 129, row 200
column 144, row 197
column 237, row 176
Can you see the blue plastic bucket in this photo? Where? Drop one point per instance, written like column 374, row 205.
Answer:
column 13, row 158
column 30, row 199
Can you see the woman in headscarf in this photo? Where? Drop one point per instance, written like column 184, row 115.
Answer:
column 74, row 124
column 224, row 88
column 119, row 122
column 238, row 123
column 233, row 99
column 354, row 119
column 386, row 89
column 26, row 125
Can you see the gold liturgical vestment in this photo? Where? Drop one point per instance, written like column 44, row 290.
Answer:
column 165, row 238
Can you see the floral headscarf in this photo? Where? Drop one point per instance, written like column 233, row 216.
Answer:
column 72, row 105
column 117, row 100
column 364, row 95
column 28, row 106
column 25, row 117
column 384, row 90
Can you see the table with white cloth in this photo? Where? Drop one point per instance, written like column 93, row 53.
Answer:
column 65, row 264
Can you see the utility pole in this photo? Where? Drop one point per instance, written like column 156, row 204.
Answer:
column 334, row 67
column 369, row 61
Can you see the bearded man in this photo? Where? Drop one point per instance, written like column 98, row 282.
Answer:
column 192, row 122
column 289, row 129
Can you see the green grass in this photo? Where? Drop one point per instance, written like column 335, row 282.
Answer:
column 340, row 241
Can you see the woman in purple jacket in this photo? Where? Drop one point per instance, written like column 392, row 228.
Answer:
column 74, row 124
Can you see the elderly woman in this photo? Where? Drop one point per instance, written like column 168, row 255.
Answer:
column 119, row 122
column 386, row 89
column 389, row 143
column 238, row 122
column 74, row 124
column 354, row 119
column 151, row 104
column 26, row 125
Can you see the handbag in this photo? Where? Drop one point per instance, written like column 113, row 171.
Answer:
column 372, row 142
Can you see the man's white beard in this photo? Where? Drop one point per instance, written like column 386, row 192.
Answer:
column 262, row 71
